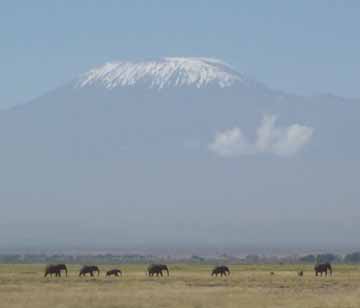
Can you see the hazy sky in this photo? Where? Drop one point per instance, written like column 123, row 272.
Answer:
column 298, row 46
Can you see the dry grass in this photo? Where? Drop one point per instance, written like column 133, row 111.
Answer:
column 188, row 286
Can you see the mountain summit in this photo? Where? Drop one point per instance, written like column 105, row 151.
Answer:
column 165, row 73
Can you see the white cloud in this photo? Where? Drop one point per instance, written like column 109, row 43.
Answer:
column 231, row 142
column 281, row 141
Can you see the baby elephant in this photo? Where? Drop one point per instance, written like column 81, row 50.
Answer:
column 114, row 272
column 222, row 270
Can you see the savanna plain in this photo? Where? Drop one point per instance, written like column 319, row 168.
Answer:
column 188, row 285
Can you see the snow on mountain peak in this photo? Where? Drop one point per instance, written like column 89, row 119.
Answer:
column 164, row 73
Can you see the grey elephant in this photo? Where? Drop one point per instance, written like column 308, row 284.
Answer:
column 114, row 272
column 89, row 269
column 55, row 269
column 222, row 270
column 157, row 269
column 323, row 268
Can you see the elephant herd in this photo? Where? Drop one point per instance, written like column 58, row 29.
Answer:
column 158, row 269
column 152, row 270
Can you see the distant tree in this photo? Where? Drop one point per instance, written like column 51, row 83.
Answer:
column 327, row 257
column 197, row 259
column 10, row 258
column 252, row 259
column 352, row 257
column 308, row 259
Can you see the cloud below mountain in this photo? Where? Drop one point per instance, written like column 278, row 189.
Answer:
column 280, row 141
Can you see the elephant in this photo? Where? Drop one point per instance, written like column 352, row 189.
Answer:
column 89, row 269
column 55, row 269
column 323, row 268
column 222, row 270
column 157, row 269
column 114, row 272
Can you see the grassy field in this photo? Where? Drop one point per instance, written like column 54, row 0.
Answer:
column 187, row 286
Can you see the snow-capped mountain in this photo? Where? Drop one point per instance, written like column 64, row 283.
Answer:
column 142, row 151
column 160, row 105
column 165, row 73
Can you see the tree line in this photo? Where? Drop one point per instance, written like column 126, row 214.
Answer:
column 351, row 258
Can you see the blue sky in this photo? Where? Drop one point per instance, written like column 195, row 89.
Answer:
column 299, row 46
